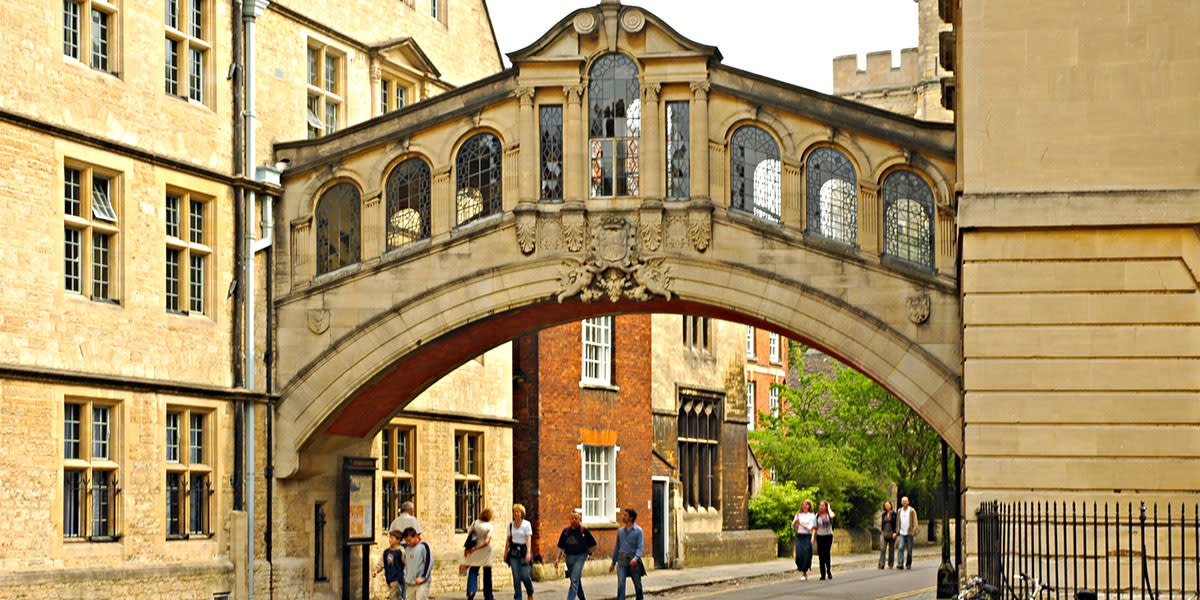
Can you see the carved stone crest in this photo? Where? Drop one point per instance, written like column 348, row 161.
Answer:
column 676, row 232
column 614, row 267
column 551, row 233
column 318, row 320
column 526, row 231
column 918, row 308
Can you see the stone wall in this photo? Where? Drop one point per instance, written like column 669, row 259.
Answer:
column 726, row 547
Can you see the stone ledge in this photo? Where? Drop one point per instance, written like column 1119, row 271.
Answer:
column 189, row 570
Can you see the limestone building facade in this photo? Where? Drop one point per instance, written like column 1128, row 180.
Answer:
column 122, row 389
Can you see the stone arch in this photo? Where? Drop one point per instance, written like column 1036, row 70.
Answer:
column 318, row 186
column 591, row 59
column 942, row 190
column 766, row 120
column 350, row 389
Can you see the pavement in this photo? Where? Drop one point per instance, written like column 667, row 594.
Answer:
column 604, row 587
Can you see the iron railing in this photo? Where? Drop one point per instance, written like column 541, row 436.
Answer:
column 1116, row 550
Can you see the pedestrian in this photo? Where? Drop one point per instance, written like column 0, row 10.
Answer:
column 824, row 539
column 627, row 554
column 518, row 552
column 575, row 544
column 887, row 535
column 479, row 557
column 906, row 527
column 391, row 563
column 804, row 523
column 418, row 564
column 405, row 520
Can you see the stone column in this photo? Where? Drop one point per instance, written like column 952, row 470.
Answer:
column 442, row 209
column 527, row 139
column 574, row 140
column 376, row 77
column 870, row 219
column 792, row 190
column 699, row 183
column 651, row 158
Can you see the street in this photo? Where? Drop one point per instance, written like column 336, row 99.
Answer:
column 858, row 584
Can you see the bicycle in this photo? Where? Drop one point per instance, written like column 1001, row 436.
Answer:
column 978, row 589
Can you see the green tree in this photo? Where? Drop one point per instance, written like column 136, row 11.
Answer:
column 847, row 436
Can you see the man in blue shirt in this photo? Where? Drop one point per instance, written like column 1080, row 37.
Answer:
column 627, row 554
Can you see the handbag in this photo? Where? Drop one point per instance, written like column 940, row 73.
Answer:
column 472, row 539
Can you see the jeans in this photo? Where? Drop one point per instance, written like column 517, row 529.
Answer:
column 624, row 569
column 575, row 564
column 522, row 573
column 887, row 550
column 473, row 582
column 904, row 559
column 824, row 546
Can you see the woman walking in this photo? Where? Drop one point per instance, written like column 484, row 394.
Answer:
column 824, row 537
column 887, row 535
column 518, row 551
column 479, row 557
column 804, row 523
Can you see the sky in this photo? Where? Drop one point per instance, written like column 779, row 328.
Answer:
column 790, row 40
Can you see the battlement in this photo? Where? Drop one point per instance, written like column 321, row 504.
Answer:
column 879, row 73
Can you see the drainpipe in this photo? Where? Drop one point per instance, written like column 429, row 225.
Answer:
column 251, row 10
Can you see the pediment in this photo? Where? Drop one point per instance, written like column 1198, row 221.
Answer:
column 609, row 26
column 405, row 52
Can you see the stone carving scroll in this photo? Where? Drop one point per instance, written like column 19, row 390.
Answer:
column 526, row 230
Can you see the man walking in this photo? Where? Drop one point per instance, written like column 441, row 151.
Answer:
column 575, row 543
column 627, row 554
column 907, row 528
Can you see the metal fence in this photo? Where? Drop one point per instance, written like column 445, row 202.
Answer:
column 1117, row 550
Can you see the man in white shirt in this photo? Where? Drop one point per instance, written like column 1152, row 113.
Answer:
column 907, row 528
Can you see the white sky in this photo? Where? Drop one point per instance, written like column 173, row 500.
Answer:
column 790, row 40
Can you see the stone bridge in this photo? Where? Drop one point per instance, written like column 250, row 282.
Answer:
column 616, row 167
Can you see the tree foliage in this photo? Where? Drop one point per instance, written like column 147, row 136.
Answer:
column 774, row 507
column 847, row 436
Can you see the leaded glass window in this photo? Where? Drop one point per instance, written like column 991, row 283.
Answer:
column 478, row 177
column 678, row 150
column 614, row 126
column 908, row 210
column 699, row 435
column 408, row 203
column 550, row 122
column 832, row 195
column 338, row 230
column 755, row 173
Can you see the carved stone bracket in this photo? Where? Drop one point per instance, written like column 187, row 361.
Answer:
column 574, row 230
column 526, row 217
column 614, row 267
column 918, row 308
column 525, row 95
column 700, row 227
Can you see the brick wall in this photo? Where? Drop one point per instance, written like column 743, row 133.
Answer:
column 547, row 468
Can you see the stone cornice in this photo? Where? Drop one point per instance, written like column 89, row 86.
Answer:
column 1079, row 209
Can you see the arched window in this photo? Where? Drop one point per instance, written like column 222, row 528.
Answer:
column 908, row 211
column 754, row 168
column 338, row 229
column 832, row 195
column 614, row 126
column 407, row 203
column 478, row 178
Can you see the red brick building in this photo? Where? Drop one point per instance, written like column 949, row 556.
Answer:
column 582, row 394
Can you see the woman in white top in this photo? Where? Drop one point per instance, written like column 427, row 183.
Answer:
column 804, row 523
column 518, row 552
column 480, row 556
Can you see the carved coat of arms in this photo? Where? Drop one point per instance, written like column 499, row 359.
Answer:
column 614, row 267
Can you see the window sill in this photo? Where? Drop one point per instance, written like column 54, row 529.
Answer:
column 602, row 524
column 607, row 387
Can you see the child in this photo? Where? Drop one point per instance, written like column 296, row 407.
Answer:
column 418, row 564
column 392, row 565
